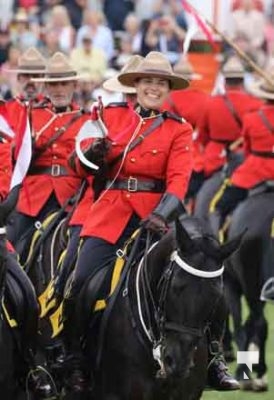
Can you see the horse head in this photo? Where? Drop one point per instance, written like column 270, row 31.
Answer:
column 189, row 290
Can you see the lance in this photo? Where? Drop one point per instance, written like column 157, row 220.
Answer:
column 238, row 50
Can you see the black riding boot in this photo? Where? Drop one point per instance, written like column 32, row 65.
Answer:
column 218, row 376
column 78, row 381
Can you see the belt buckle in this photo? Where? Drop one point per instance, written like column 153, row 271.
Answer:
column 132, row 184
column 55, row 170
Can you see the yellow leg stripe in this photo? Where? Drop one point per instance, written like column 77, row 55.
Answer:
column 56, row 320
column 218, row 195
column 12, row 322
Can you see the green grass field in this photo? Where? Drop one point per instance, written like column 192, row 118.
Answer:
column 242, row 395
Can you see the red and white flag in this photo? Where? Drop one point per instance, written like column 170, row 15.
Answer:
column 200, row 22
column 22, row 142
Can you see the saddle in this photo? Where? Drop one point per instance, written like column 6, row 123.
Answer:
column 263, row 187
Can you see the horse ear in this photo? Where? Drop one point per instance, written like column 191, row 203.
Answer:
column 230, row 247
column 183, row 239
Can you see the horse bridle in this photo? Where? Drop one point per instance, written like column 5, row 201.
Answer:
column 157, row 339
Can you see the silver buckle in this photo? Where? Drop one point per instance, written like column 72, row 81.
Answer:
column 132, row 184
column 55, row 170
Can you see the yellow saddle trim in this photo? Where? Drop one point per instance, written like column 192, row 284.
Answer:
column 11, row 321
column 272, row 229
column 45, row 223
column 46, row 299
column 118, row 267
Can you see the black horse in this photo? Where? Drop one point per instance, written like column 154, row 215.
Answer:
column 248, row 269
column 9, row 358
column 155, row 331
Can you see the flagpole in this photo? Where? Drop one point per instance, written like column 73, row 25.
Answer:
column 238, row 50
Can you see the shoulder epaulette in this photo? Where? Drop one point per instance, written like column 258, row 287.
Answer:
column 115, row 104
column 175, row 117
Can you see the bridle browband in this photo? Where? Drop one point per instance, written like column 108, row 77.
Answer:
column 194, row 271
column 162, row 324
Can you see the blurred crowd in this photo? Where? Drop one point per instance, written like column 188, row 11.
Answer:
column 99, row 36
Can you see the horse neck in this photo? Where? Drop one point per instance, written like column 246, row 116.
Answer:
column 3, row 257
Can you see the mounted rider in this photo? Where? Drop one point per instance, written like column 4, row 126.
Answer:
column 19, row 292
column 82, row 209
column 50, row 181
column 146, row 183
column 221, row 123
column 258, row 166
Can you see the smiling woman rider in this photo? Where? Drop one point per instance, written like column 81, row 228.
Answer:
column 149, row 156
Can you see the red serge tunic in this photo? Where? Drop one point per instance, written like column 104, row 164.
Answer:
column 190, row 104
column 37, row 189
column 165, row 154
column 219, row 127
column 258, row 137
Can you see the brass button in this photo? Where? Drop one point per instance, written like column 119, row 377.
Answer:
column 128, row 195
column 56, row 128
column 133, row 159
column 154, row 151
column 54, row 145
column 55, row 157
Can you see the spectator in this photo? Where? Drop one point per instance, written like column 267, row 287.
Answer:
column 11, row 65
column 132, row 28
column 50, row 44
column 89, row 58
column 102, row 38
column 4, row 45
column 60, row 24
column 116, row 12
column 125, row 50
column 246, row 21
column 173, row 8
column 166, row 36
column 76, row 9
column 6, row 12
column 145, row 9
column 23, row 36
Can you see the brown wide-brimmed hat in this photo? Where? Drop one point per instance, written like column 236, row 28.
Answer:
column 155, row 64
column 185, row 69
column 113, row 84
column 262, row 88
column 233, row 68
column 31, row 62
column 58, row 69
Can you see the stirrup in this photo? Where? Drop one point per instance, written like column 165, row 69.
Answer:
column 267, row 292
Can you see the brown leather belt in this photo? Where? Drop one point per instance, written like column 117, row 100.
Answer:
column 264, row 154
column 54, row 170
column 132, row 184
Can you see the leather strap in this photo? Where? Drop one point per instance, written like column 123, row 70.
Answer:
column 232, row 110
column 132, row 184
column 266, row 121
column 157, row 122
column 54, row 170
column 264, row 154
column 37, row 153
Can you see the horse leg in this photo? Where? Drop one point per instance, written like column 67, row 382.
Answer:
column 257, row 330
